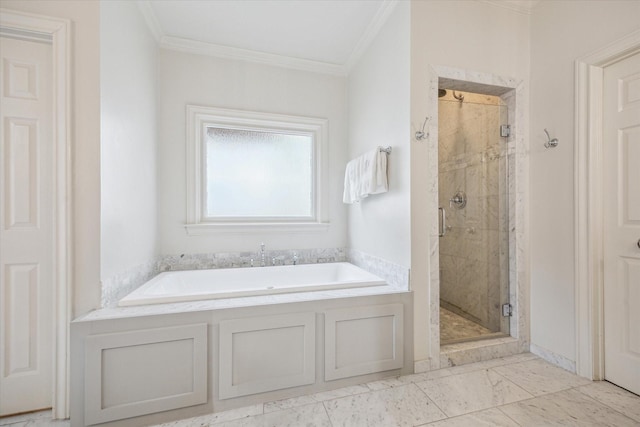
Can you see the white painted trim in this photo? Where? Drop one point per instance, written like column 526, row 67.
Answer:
column 229, row 387
column 211, row 49
column 554, row 358
column 370, row 33
column 588, row 202
column 384, row 359
column 227, row 52
column 148, row 342
column 519, row 266
column 243, row 228
column 60, row 32
column 151, row 19
column 199, row 116
column 524, row 7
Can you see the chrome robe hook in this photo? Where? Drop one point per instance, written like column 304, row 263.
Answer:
column 550, row 142
column 420, row 135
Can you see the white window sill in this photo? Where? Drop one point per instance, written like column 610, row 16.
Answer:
column 239, row 227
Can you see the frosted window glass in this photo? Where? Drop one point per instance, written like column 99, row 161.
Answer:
column 258, row 174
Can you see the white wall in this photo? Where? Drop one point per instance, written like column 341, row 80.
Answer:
column 201, row 80
column 85, row 134
column 561, row 32
column 128, row 105
column 469, row 35
column 378, row 89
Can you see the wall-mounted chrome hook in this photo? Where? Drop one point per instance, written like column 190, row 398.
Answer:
column 550, row 142
column 420, row 135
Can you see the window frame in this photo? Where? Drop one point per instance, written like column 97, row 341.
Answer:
column 200, row 117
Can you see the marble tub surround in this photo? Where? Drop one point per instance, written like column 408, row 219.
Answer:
column 116, row 287
column 394, row 274
column 478, row 394
column 243, row 259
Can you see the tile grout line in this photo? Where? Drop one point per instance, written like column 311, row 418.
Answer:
column 432, row 401
column 370, row 390
column 473, row 370
column 327, row 412
column 558, row 392
column 600, row 402
column 507, row 415
column 520, row 387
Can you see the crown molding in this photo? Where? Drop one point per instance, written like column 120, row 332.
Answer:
column 227, row 52
column 371, row 32
column 151, row 19
column 524, row 7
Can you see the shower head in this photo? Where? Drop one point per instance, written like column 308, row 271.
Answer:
column 441, row 93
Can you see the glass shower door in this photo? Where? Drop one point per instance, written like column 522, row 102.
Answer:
column 473, row 191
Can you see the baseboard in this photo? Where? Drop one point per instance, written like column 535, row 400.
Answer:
column 554, row 358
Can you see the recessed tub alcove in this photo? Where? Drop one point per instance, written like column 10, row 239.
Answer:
column 154, row 363
column 219, row 283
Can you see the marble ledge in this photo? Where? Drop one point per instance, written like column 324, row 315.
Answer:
column 478, row 351
column 227, row 303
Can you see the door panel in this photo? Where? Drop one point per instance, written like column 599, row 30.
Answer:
column 26, row 226
column 622, row 223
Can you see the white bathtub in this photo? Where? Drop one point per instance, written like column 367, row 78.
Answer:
column 194, row 285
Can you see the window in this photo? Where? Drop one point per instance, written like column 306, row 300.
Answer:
column 248, row 170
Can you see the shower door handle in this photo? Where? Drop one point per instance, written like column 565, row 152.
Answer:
column 443, row 220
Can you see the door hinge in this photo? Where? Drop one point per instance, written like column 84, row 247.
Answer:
column 507, row 310
column 505, row 130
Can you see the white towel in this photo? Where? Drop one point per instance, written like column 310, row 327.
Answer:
column 365, row 175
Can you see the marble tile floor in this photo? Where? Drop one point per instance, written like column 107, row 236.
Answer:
column 521, row 390
column 33, row 419
column 454, row 328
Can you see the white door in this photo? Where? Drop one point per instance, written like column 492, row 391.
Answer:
column 26, row 226
column 622, row 223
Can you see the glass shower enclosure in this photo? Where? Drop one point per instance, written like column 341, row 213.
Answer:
column 474, row 223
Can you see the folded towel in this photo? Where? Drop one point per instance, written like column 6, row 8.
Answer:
column 365, row 175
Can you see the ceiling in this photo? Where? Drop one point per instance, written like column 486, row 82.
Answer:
column 327, row 31
column 317, row 35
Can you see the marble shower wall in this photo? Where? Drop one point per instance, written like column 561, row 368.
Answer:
column 472, row 159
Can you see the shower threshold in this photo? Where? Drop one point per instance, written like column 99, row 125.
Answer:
column 488, row 336
column 479, row 350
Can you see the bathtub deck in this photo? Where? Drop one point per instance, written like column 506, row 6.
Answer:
column 221, row 304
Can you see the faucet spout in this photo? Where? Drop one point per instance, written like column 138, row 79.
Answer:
column 262, row 255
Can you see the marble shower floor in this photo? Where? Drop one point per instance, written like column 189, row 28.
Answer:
column 521, row 390
column 454, row 327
